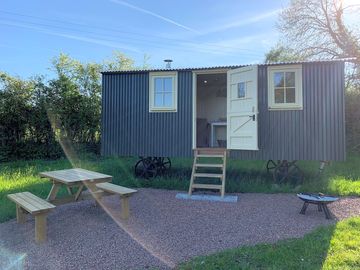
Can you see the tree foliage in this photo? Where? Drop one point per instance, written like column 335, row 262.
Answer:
column 35, row 115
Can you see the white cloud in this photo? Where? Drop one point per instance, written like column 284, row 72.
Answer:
column 97, row 41
column 246, row 21
column 120, row 2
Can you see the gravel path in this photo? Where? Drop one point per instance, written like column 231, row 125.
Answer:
column 161, row 232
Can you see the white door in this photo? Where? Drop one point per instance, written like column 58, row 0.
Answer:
column 242, row 108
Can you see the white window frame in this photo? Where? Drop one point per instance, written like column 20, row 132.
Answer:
column 298, row 105
column 152, row 77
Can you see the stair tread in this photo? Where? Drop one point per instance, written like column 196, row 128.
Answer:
column 210, row 155
column 206, row 186
column 209, row 165
column 216, row 175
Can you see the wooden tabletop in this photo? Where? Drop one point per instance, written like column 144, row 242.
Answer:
column 71, row 176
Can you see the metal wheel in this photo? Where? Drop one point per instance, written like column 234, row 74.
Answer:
column 146, row 168
column 271, row 165
column 287, row 172
column 163, row 164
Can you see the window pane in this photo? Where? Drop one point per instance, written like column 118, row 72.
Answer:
column 168, row 100
column 290, row 95
column 290, row 79
column 279, row 79
column 279, row 95
column 241, row 90
column 158, row 87
column 159, row 100
column 168, row 84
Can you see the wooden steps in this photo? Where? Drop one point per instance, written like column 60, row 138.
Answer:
column 209, row 153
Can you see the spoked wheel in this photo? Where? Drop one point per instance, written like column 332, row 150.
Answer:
column 163, row 164
column 146, row 168
column 271, row 165
column 287, row 172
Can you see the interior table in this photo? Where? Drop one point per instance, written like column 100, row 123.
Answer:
column 74, row 178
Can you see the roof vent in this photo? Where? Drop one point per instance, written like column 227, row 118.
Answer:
column 168, row 63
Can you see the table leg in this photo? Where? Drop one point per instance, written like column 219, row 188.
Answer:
column 326, row 211
column 303, row 209
column 53, row 192
column 96, row 193
column 78, row 192
column 69, row 189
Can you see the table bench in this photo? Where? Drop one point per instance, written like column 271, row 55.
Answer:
column 320, row 200
column 124, row 193
column 27, row 202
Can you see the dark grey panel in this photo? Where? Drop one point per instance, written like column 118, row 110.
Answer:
column 315, row 133
column 129, row 129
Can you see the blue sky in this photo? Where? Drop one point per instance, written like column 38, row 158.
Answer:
column 192, row 33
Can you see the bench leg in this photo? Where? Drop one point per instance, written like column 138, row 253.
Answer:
column 40, row 228
column 125, row 211
column 20, row 214
column 303, row 209
column 319, row 207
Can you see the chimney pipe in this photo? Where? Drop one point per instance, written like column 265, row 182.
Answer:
column 168, row 63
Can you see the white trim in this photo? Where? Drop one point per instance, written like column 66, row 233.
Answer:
column 194, row 93
column 152, row 76
column 298, row 105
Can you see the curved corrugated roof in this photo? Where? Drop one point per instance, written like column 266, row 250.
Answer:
column 224, row 67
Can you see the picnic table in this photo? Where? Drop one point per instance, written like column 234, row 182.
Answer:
column 74, row 178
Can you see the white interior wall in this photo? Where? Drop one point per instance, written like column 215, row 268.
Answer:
column 211, row 100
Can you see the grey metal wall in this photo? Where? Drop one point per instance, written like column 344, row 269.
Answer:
column 129, row 129
column 315, row 133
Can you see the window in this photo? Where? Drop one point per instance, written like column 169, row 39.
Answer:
column 285, row 87
column 163, row 91
column 241, row 89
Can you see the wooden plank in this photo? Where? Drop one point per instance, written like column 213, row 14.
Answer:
column 24, row 204
column 116, row 189
column 193, row 172
column 31, row 204
column 204, row 165
column 38, row 203
column 44, row 203
column 75, row 175
column 210, row 156
column 206, row 186
column 209, row 175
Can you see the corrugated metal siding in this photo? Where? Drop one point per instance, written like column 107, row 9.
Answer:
column 129, row 129
column 315, row 133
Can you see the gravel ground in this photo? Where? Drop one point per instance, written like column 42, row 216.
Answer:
column 161, row 232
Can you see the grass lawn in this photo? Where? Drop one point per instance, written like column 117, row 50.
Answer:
column 341, row 178
column 332, row 247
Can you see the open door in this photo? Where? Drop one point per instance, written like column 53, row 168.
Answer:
column 242, row 108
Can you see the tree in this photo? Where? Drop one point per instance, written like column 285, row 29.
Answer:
column 316, row 28
column 280, row 53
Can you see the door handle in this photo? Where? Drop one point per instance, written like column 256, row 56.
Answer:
column 252, row 117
